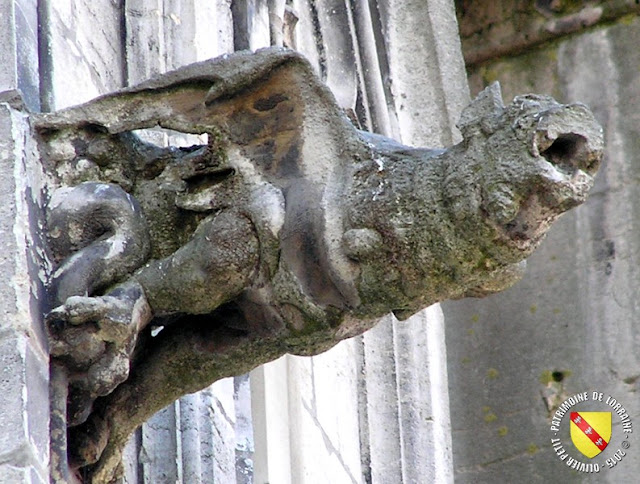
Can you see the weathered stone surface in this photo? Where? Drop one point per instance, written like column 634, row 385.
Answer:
column 251, row 24
column 269, row 397
column 302, row 436
column 430, row 29
column 146, row 49
column 385, row 452
column 83, row 55
column 21, row 223
column 8, row 75
column 158, row 447
column 219, row 414
column 529, row 79
column 165, row 34
column 18, row 474
column 575, row 312
column 23, row 400
column 19, row 52
column 24, row 396
column 518, row 168
column 244, row 434
column 322, row 384
column 506, row 27
column 339, row 66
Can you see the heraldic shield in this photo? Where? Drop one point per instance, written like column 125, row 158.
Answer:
column 590, row 431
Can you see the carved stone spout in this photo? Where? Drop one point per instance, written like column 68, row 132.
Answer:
column 285, row 231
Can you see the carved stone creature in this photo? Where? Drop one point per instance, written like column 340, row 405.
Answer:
column 288, row 231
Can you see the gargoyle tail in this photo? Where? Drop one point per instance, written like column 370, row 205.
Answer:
column 98, row 234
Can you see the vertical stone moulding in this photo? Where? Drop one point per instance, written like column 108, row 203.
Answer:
column 24, row 393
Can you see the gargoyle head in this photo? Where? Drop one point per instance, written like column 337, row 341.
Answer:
column 538, row 160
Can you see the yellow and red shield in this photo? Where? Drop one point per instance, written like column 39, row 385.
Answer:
column 590, row 431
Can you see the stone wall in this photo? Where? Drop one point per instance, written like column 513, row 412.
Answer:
column 374, row 409
column 572, row 324
column 24, row 367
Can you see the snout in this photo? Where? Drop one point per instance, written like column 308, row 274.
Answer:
column 567, row 144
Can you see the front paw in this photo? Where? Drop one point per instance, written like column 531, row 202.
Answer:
column 95, row 337
column 82, row 319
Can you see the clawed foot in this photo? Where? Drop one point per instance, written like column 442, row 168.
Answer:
column 95, row 337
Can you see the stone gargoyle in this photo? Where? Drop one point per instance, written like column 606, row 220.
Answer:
column 285, row 230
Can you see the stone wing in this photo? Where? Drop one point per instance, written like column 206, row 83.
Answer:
column 260, row 102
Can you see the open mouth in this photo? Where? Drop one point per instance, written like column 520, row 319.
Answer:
column 569, row 138
column 568, row 152
column 564, row 151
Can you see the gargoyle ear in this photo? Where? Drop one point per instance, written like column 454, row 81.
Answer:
column 487, row 104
